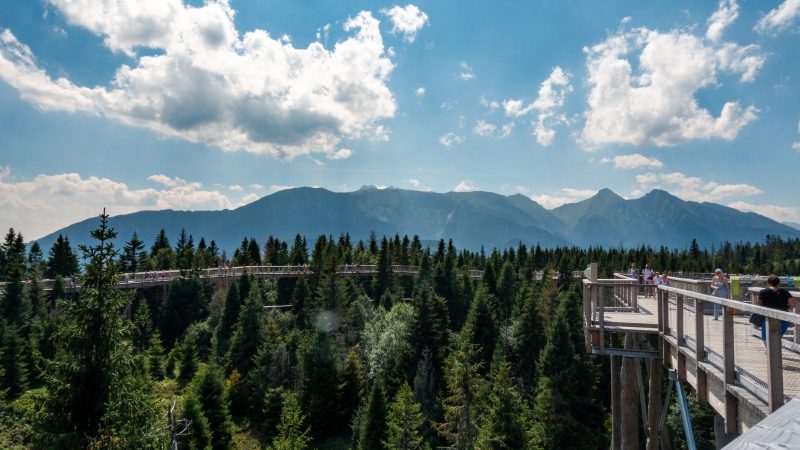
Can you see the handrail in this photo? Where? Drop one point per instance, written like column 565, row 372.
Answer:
column 739, row 305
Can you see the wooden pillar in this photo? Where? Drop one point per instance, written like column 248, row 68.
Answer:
column 654, row 404
column 616, row 363
column 629, row 408
column 700, row 351
column 729, row 368
column 680, row 338
column 774, row 363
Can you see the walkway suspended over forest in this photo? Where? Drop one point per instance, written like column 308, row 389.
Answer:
column 725, row 361
column 147, row 279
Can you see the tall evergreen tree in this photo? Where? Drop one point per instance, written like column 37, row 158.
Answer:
column 199, row 435
column 133, row 254
column 506, row 292
column 230, row 314
column 13, row 360
column 292, row 435
column 319, row 388
column 95, row 394
column 210, row 392
column 248, row 334
column 530, row 338
column 502, row 426
column 62, row 260
column 462, row 406
column 481, row 328
column 404, row 422
column 373, row 427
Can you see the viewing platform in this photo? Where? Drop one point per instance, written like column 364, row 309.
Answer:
column 741, row 377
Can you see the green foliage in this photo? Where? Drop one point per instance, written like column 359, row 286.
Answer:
column 462, row 406
column 95, row 396
column 291, row 432
column 318, row 394
column 529, row 338
column 13, row 360
column 386, row 343
column 481, row 328
column 62, row 260
column 199, row 432
column 210, row 392
column 248, row 334
column 186, row 303
column 189, row 361
column 502, row 426
column 373, row 423
column 404, row 422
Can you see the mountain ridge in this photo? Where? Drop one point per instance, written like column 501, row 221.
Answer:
column 472, row 219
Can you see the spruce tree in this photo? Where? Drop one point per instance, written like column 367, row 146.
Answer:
column 62, row 260
column 210, row 392
column 530, row 338
column 506, row 290
column 404, row 422
column 95, row 395
column 189, row 361
column 133, row 254
column 155, row 357
column 373, row 427
column 292, row 435
column 248, row 334
column 320, row 385
column 462, row 405
column 230, row 314
column 501, row 426
column 481, row 328
column 13, row 360
column 199, row 432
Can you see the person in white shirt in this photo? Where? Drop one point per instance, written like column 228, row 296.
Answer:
column 647, row 277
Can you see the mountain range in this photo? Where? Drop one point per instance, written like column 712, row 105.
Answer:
column 472, row 219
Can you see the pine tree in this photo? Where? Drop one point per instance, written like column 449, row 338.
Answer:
column 530, row 338
column 320, row 385
column 373, row 427
column 248, row 334
column 462, row 406
column 155, row 357
column 62, row 260
column 405, row 422
column 384, row 280
column 506, row 289
column 429, row 329
column 291, row 432
column 143, row 326
column 548, row 298
column 351, row 389
column 95, row 394
column 189, row 360
column 199, row 437
column 501, row 426
column 230, row 314
column 210, row 393
column 481, row 328
column 13, row 360
column 273, row 410
column 554, row 423
column 133, row 254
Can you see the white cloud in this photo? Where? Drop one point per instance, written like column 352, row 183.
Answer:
column 416, row 184
column 779, row 18
column 341, row 154
column 420, row 92
column 636, row 161
column 256, row 187
column 36, row 206
column 450, row 139
column 774, row 212
column 235, row 188
column 658, row 106
column 506, row 130
column 483, row 128
column 563, row 195
column 206, row 82
column 406, row 20
column 466, row 73
column 249, row 198
column 694, row 188
column 464, row 186
column 552, row 93
column 493, row 105
column 604, row 160
column 280, row 187
column 726, row 14
column 795, row 145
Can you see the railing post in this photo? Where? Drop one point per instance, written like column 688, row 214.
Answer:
column 774, row 363
column 601, row 320
column 700, row 350
column 680, row 338
column 729, row 368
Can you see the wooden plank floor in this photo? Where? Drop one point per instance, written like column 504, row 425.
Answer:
column 750, row 352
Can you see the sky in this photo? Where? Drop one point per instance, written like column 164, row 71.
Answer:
column 195, row 105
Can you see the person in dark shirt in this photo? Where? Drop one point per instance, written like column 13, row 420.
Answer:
column 773, row 296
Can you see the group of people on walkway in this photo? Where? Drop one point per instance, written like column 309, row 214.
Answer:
column 649, row 278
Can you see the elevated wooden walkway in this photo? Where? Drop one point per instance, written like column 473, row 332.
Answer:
column 742, row 377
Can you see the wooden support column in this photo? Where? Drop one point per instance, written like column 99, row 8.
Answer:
column 601, row 320
column 629, row 408
column 616, row 417
column 654, row 404
column 680, row 338
column 700, row 351
column 664, row 312
column 774, row 363
column 729, row 368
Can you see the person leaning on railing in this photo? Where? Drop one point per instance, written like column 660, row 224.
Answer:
column 775, row 297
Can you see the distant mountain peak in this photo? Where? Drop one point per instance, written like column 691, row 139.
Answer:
column 607, row 193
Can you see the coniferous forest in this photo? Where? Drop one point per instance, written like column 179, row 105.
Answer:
column 379, row 362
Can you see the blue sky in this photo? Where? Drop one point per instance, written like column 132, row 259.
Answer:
column 156, row 104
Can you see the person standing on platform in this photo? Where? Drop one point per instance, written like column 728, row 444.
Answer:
column 775, row 297
column 719, row 288
column 634, row 272
column 648, row 275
